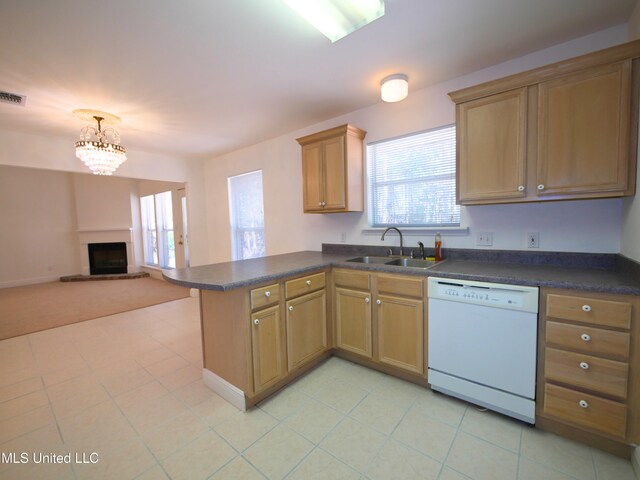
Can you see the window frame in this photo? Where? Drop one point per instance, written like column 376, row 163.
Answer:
column 371, row 188
column 237, row 232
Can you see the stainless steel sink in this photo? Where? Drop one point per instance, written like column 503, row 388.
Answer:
column 399, row 262
column 378, row 260
column 411, row 262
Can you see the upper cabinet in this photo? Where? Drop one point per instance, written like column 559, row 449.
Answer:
column 564, row 131
column 332, row 170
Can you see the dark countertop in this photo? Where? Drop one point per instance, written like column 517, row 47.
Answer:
column 231, row 275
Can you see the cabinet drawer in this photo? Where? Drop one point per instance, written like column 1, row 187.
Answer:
column 303, row 285
column 589, row 310
column 594, row 341
column 593, row 373
column 265, row 296
column 351, row 279
column 586, row 410
column 403, row 286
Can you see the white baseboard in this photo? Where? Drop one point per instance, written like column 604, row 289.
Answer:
column 635, row 461
column 29, row 281
column 229, row 392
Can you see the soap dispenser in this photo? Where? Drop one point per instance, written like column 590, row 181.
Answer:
column 438, row 247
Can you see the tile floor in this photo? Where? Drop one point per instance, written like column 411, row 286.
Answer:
column 128, row 387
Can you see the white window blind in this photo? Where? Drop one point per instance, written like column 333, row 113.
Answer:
column 412, row 180
column 247, row 215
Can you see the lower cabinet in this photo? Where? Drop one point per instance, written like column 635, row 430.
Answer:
column 381, row 318
column 268, row 354
column 306, row 327
column 589, row 363
column 400, row 332
column 353, row 321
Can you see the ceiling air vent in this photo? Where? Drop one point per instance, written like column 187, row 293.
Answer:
column 12, row 98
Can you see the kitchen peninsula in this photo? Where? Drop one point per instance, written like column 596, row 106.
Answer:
column 266, row 321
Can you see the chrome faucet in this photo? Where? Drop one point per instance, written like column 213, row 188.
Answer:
column 399, row 233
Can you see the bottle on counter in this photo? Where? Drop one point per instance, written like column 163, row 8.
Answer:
column 438, row 247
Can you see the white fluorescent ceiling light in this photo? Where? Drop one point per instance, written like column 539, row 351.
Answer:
column 336, row 19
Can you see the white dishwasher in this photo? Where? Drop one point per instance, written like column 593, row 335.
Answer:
column 483, row 342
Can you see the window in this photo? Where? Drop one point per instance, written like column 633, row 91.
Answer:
column 412, row 180
column 157, row 230
column 246, row 213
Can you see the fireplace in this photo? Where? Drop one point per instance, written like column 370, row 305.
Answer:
column 107, row 258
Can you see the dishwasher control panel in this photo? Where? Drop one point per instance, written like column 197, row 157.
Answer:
column 514, row 297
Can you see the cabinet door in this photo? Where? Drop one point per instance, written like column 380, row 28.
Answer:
column 400, row 332
column 353, row 321
column 583, row 131
column 306, row 328
column 266, row 338
column 492, row 147
column 312, row 181
column 335, row 189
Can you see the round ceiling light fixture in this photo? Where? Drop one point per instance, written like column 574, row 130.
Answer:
column 394, row 87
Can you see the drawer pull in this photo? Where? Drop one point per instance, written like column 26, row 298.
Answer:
column 308, row 282
column 586, row 337
column 291, row 308
column 584, row 365
column 256, row 322
column 521, row 188
column 379, row 302
column 583, row 403
column 586, row 308
column 541, row 187
column 366, row 300
column 267, row 293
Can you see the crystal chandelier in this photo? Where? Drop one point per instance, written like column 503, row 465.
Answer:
column 99, row 148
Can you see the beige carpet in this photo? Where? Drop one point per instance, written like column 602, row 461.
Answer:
column 38, row 307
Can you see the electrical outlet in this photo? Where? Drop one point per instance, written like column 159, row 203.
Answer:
column 533, row 240
column 343, row 237
column 484, row 239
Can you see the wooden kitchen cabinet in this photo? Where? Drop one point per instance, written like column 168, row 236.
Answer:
column 583, row 131
column 492, row 146
column 268, row 355
column 306, row 328
column 352, row 295
column 588, row 367
column 400, row 321
column 559, row 132
column 332, row 170
column 380, row 318
column 353, row 321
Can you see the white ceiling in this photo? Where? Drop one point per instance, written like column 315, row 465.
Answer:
column 198, row 78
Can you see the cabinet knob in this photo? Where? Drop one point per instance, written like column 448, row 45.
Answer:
column 521, row 188
column 291, row 308
column 367, row 300
column 541, row 187
column 586, row 308
column 256, row 322
column 379, row 302
column 308, row 282
column 320, row 204
column 324, row 203
column 267, row 293
column 583, row 403
column 586, row 337
column 584, row 365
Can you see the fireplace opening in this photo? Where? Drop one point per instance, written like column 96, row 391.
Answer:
column 107, row 258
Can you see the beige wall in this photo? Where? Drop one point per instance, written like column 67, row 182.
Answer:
column 38, row 234
column 581, row 226
column 57, row 154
